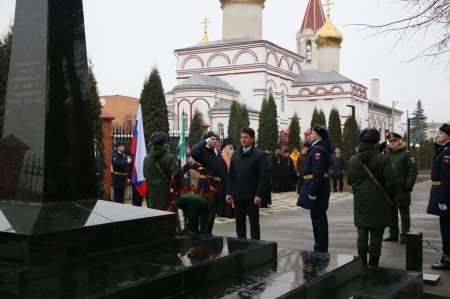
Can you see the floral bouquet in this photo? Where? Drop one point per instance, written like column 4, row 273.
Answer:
column 191, row 200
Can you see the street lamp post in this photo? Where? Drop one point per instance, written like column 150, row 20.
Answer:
column 408, row 127
column 353, row 127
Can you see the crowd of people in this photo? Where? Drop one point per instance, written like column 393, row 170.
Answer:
column 242, row 178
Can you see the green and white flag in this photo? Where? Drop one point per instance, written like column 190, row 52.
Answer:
column 182, row 143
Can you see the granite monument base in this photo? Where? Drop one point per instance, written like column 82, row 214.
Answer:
column 100, row 249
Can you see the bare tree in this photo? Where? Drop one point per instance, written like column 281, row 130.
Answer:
column 427, row 18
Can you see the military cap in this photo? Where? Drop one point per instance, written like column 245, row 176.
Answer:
column 321, row 130
column 393, row 136
column 445, row 128
column 369, row 135
column 119, row 143
column 158, row 138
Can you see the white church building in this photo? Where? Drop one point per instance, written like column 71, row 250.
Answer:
column 244, row 67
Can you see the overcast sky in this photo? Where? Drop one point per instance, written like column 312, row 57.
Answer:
column 126, row 38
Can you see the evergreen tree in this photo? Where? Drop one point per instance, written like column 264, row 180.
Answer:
column 233, row 122
column 334, row 128
column 321, row 118
column 244, row 118
column 315, row 117
column 5, row 55
column 418, row 124
column 294, row 133
column 263, row 141
column 349, row 141
column 272, row 122
column 154, row 107
column 97, row 122
column 195, row 129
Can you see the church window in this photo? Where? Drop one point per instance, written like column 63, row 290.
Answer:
column 282, row 102
column 220, row 129
column 308, row 51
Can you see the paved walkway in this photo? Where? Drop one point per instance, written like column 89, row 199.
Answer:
column 290, row 227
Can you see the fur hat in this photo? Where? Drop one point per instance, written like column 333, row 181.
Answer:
column 226, row 142
column 369, row 135
column 321, row 130
column 119, row 143
column 445, row 128
column 158, row 138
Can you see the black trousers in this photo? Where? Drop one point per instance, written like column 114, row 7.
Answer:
column 119, row 194
column 320, row 228
column 242, row 208
column 136, row 197
column 208, row 217
column 445, row 234
column 337, row 177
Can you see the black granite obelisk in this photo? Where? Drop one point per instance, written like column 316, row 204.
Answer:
column 47, row 115
column 50, row 221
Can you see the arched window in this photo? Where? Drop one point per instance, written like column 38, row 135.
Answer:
column 308, row 51
column 220, row 129
column 270, row 92
column 282, row 102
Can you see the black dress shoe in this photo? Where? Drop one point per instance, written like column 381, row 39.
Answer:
column 440, row 266
column 391, row 239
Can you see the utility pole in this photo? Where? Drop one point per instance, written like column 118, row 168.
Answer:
column 353, row 127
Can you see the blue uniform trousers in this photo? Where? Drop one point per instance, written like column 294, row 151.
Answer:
column 320, row 228
column 445, row 234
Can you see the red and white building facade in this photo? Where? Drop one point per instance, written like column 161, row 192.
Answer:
column 243, row 67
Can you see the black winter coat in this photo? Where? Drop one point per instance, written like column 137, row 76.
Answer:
column 248, row 174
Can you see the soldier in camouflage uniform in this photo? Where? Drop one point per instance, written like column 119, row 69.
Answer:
column 159, row 166
column 405, row 170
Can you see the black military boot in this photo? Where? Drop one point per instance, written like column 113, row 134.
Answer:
column 364, row 259
column 373, row 260
column 391, row 238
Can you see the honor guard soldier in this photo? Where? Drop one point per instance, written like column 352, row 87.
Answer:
column 372, row 178
column 405, row 169
column 439, row 203
column 120, row 163
column 315, row 192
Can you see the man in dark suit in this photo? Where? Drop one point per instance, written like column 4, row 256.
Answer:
column 246, row 184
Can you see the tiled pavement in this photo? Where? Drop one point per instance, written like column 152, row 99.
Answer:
column 290, row 227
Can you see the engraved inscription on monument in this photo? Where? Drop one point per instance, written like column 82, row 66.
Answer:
column 25, row 83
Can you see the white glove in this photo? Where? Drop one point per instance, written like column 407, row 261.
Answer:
column 442, row 207
column 129, row 160
column 207, row 140
column 312, row 197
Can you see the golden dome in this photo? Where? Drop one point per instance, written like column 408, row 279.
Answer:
column 328, row 35
column 242, row 1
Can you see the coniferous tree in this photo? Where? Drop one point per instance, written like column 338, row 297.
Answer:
column 5, row 55
column 315, row 117
column 294, row 133
column 233, row 122
column 272, row 122
column 244, row 119
column 349, row 141
column 334, row 128
column 263, row 140
column 418, row 124
column 154, row 107
column 321, row 120
column 97, row 122
column 196, row 129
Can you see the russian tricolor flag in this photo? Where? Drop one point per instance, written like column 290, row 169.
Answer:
column 139, row 152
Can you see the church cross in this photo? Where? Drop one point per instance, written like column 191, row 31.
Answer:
column 205, row 24
column 328, row 4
